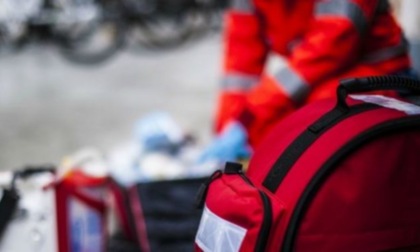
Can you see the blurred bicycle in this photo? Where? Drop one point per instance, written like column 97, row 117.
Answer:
column 85, row 31
column 163, row 23
column 92, row 31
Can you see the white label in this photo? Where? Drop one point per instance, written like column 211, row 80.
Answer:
column 387, row 102
column 218, row 235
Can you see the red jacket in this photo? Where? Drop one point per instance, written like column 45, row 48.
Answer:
column 322, row 42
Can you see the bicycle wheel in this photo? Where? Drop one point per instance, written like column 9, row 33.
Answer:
column 92, row 38
column 169, row 25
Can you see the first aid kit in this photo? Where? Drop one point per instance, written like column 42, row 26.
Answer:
column 81, row 192
column 338, row 175
column 81, row 213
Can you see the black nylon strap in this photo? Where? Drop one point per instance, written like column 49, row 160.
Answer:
column 402, row 124
column 295, row 150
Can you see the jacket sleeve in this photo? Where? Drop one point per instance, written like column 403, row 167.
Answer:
column 244, row 55
column 334, row 40
column 245, row 49
column 332, row 43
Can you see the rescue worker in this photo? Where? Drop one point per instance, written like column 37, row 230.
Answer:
column 322, row 42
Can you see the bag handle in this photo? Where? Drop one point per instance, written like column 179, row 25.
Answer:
column 374, row 83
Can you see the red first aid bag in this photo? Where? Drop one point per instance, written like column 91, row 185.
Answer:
column 81, row 212
column 337, row 175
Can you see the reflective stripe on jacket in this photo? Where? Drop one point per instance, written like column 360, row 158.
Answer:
column 320, row 40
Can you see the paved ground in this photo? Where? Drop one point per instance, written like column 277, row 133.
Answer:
column 50, row 108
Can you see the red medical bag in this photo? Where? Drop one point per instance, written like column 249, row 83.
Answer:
column 81, row 212
column 337, row 175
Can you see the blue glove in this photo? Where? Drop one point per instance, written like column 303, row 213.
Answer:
column 157, row 131
column 230, row 145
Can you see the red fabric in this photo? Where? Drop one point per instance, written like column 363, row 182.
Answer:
column 274, row 143
column 228, row 104
column 373, row 203
column 78, row 178
column 328, row 88
column 325, row 49
column 326, row 45
column 62, row 219
column 268, row 104
column 262, row 111
column 245, row 48
column 248, row 58
column 369, row 202
column 120, row 201
column 237, row 202
column 333, row 44
column 72, row 186
column 301, row 173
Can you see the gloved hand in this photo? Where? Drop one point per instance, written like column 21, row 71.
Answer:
column 230, row 145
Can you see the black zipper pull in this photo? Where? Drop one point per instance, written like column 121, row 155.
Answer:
column 233, row 168
column 236, row 169
column 202, row 191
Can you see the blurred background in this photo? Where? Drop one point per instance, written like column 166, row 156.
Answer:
column 76, row 73
column 80, row 84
